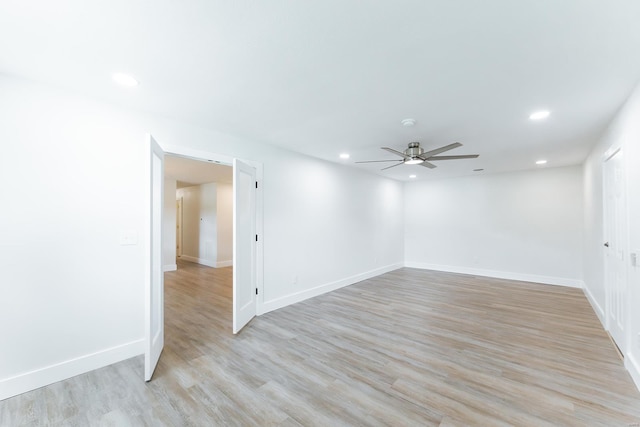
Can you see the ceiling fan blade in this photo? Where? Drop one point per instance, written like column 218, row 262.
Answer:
column 391, row 150
column 464, row 156
column 393, row 166
column 428, row 154
column 428, row 165
column 377, row 161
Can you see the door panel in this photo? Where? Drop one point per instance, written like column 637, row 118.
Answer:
column 154, row 276
column 615, row 248
column 244, row 244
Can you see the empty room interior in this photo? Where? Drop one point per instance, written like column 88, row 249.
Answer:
column 320, row 213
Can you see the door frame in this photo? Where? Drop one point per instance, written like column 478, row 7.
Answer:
column 208, row 156
column 179, row 211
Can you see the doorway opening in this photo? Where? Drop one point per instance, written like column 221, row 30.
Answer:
column 246, row 259
column 198, row 202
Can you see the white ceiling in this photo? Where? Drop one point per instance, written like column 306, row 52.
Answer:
column 188, row 172
column 331, row 76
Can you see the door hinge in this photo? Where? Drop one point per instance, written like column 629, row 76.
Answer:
column 256, row 184
column 256, row 237
column 256, row 291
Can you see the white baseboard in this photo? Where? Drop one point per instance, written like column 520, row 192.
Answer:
column 202, row 261
column 547, row 280
column 631, row 363
column 170, row 267
column 284, row 301
column 28, row 381
column 228, row 263
column 596, row 307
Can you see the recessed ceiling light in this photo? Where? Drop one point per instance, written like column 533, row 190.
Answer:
column 539, row 115
column 124, row 79
column 412, row 176
column 344, row 156
column 408, row 122
column 541, row 162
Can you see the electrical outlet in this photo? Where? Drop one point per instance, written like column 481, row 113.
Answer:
column 294, row 279
column 128, row 237
column 634, row 258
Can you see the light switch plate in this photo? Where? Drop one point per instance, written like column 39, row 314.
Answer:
column 128, row 237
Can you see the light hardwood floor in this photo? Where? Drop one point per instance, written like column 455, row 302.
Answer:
column 410, row 347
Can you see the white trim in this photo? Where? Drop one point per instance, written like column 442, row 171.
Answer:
column 547, row 280
column 227, row 263
column 198, row 260
column 170, row 267
column 595, row 305
column 32, row 380
column 178, row 150
column 286, row 300
column 633, row 367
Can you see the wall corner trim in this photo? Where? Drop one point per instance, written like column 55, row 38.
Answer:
column 37, row 378
column 227, row 263
column 594, row 304
column 201, row 261
column 631, row 363
column 286, row 300
column 523, row 277
column 169, row 267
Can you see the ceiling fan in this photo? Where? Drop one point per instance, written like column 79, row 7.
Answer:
column 414, row 155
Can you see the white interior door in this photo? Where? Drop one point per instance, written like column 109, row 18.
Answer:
column 154, row 276
column 615, row 247
column 244, row 244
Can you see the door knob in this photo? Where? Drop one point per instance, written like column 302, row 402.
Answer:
column 606, row 244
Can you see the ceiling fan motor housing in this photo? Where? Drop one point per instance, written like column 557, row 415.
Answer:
column 414, row 150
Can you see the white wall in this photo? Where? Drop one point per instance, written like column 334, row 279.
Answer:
column 523, row 225
column 72, row 296
column 199, row 230
column 169, row 225
column 623, row 132
column 224, row 225
column 207, row 224
column 208, row 229
column 69, row 289
column 318, row 216
column 593, row 254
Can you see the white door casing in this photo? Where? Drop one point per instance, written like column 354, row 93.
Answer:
column 154, row 276
column 244, row 244
column 179, row 204
column 615, row 247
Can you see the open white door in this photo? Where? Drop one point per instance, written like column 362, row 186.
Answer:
column 615, row 248
column 154, row 276
column 244, row 244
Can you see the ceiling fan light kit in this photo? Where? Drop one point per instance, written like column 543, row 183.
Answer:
column 415, row 155
column 414, row 161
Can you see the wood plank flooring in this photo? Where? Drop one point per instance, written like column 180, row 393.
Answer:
column 408, row 348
